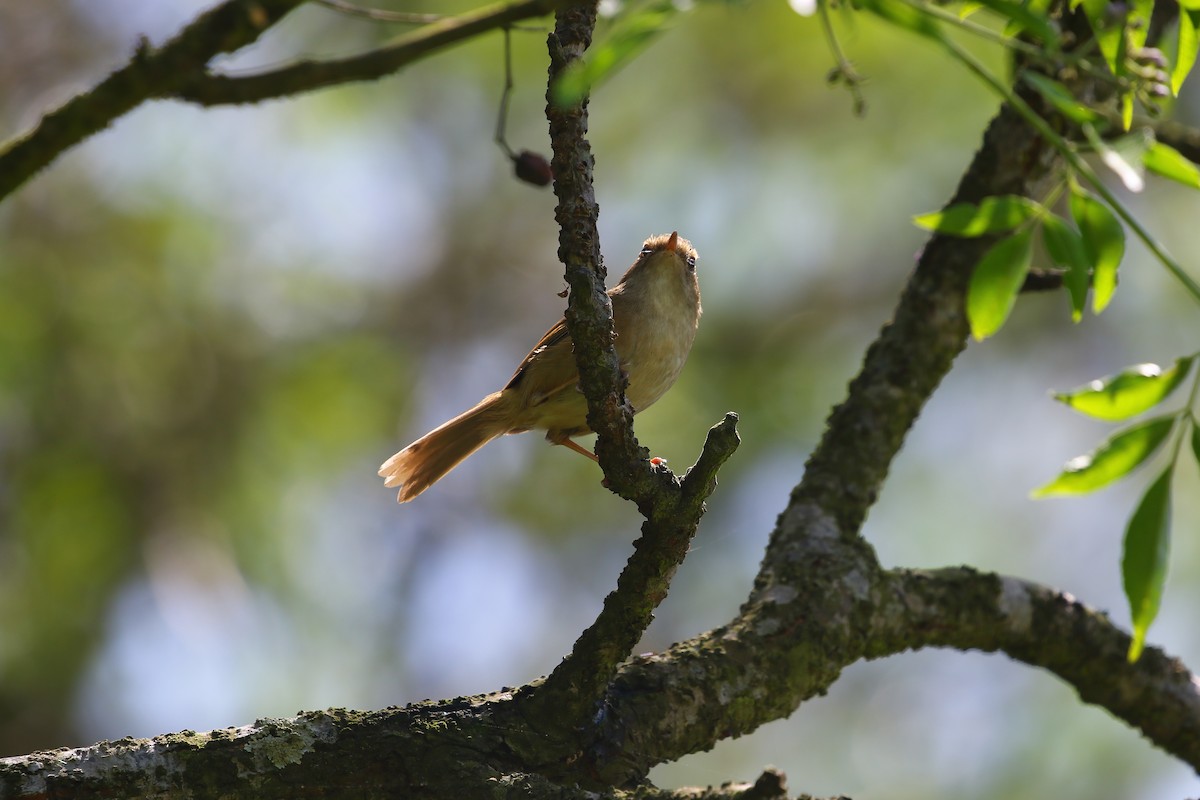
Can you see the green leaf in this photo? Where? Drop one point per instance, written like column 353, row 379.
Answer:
column 1060, row 97
column 1023, row 19
column 1065, row 248
column 993, row 215
column 1115, row 458
column 1187, row 47
column 1195, row 440
column 1127, row 393
column 1164, row 160
column 996, row 281
column 629, row 36
column 1144, row 560
column 905, row 16
column 1138, row 24
column 1109, row 32
column 1103, row 241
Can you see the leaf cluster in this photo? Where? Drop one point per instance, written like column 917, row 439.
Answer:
column 1118, row 398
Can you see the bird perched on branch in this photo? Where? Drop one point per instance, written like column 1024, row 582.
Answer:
column 656, row 310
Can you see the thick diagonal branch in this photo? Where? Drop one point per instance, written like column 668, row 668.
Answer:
column 808, row 616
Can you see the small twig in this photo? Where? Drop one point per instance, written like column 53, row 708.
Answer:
column 844, row 72
column 1042, row 280
column 699, row 481
column 502, row 116
column 379, row 15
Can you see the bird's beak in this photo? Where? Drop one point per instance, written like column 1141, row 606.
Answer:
column 673, row 241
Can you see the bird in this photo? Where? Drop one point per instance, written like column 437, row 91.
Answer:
column 656, row 312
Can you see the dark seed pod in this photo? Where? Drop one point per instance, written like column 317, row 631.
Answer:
column 533, row 168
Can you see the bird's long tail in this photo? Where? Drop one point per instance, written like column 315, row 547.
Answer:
column 418, row 466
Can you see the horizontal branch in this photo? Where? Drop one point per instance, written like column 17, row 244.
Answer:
column 208, row 89
column 179, row 70
column 271, row 758
column 150, row 73
column 1044, row 627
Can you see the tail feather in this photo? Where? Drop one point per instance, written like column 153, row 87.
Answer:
column 418, row 466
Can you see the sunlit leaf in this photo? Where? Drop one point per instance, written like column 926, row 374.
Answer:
column 1109, row 32
column 1023, row 19
column 968, row 8
column 1103, row 241
column 629, row 36
column 1138, row 24
column 1195, row 441
column 1164, row 160
column 1144, row 560
column 1188, row 43
column 905, row 16
column 1115, row 458
column 1060, row 97
column 1127, row 393
column 1065, row 248
column 993, row 215
column 996, row 281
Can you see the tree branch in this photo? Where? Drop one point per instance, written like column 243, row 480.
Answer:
column 179, row 70
column 151, row 73
column 286, row 759
column 811, row 612
column 208, row 89
column 1046, row 628
column 571, row 697
column 820, row 601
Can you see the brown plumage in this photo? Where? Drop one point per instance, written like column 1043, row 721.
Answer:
column 656, row 310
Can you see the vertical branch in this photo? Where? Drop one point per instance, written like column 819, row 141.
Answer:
column 570, row 701
column 589, row 311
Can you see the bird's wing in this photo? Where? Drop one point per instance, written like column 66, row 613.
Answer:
column 553, row 360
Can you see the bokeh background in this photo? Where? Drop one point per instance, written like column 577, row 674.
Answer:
column 215, row 324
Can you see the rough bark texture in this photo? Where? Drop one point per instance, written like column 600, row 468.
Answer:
column 820, row 602
column 573, row 697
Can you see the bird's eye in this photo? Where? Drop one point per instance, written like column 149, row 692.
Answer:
column 646, row 251
column 691, row 262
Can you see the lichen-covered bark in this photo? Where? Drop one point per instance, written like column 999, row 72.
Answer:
column 572, row 697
